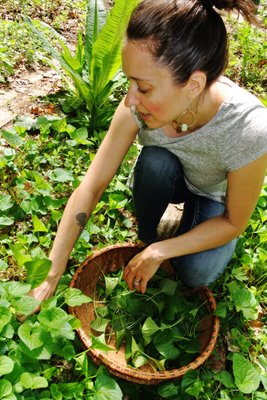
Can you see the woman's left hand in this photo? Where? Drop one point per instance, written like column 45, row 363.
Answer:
column 140, row 269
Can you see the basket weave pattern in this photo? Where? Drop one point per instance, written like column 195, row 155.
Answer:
column 86, row 277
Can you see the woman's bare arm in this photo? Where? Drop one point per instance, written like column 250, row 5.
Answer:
column 83, row 200
column 244, row 186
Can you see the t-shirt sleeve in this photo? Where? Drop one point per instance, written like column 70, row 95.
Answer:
column 246, row 138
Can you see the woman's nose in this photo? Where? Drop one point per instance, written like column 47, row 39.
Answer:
column 131, row 98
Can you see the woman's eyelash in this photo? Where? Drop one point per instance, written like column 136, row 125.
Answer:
column 143, row 90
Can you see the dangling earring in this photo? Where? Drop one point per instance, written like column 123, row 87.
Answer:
column 182, row 125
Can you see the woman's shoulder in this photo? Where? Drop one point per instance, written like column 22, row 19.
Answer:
column 239, row 96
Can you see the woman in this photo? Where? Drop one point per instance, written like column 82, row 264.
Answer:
column 204, row 144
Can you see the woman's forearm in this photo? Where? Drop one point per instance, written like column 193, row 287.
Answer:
column 74, row 219
column 210, row 234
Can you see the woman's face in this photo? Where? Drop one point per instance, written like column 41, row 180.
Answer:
column 157, row 99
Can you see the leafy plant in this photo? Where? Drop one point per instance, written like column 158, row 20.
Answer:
column 159, row 327
column 96, row 61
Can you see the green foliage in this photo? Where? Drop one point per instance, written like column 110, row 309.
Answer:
column 18, row 47
column 41, row 162
column 96, row 61
column 37, row 354
column 247, row 58
column 159, row 327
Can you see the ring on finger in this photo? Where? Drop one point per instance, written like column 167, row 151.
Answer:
column 136, row 282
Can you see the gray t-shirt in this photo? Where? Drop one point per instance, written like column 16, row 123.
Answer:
column 234, row 137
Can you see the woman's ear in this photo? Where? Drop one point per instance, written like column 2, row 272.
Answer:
column 196, row 84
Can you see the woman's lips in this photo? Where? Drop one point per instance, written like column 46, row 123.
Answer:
column 144, row 116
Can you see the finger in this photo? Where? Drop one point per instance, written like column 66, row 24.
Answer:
column 142, row 286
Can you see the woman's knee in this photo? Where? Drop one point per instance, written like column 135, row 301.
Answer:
column 157, row 164
column 202, row 269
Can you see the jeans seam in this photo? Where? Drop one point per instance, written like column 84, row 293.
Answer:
column 196, row 213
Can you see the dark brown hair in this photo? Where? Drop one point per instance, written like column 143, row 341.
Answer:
column 186, row 35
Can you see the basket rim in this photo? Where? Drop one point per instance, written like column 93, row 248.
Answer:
column 128, row 372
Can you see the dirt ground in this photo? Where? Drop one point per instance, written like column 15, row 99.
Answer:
column 21, row 96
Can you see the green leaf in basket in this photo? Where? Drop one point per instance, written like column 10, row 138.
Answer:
column 148, row 329
column 100, row 324
column 110, row 283
column 98, row 343
column 163, row 342
column 168, row 286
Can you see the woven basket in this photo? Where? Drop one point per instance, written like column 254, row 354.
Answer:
column 86, row 277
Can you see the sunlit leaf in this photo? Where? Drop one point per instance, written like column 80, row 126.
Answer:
column 37, row 270
column 247, row 378
column 6, row 365
column 75, row 297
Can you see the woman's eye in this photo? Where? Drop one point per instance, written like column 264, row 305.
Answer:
column 143, row 91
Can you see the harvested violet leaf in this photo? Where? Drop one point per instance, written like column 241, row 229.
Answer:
column 159, row 327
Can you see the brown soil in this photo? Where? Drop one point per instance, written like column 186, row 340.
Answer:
column 24, row 91
column 21, row 96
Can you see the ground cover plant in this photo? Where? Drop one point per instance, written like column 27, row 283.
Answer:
column 42, row 160
column 19, row 49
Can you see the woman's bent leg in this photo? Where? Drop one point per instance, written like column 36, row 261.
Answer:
column 158, row 176
column 201, row 269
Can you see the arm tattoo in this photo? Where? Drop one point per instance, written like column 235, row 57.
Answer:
column 81, row 219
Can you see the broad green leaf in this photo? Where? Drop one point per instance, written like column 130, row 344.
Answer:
column 18, row 289
column 168, row 286
column 168, row 390
column 53, row 318
column 32, row 381
column 41, row 353
column 5, row 388
column 196, row 389
column 80, row 134
column 5, row 202
column 102, row 311
column 100, row 324
column 60, row 175
column 3, row 265
column 37, row 270
column 163, row 342
column 110, row 284
column 106, row 388
column 139, row 360
column 6, row 221
column 188, row 379
column 221, row 309
column 247, row 378
column 106, row 54
column 225, row 378
column 65, row 331
column 38, row 225
column 12, row 138
column 33, row 335
column 95, row 19
column 25, row 305
column 6, row 365
column 6, row 317
column 148, row 329
column 98, row 344
column 246, row 302
column 75, row 297
column 19, row 254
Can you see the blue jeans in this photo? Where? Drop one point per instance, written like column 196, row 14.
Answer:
column 158, row 181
